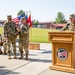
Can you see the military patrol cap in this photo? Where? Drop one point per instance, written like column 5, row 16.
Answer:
column 72, row 16
column 9, row 16
column 23, row 18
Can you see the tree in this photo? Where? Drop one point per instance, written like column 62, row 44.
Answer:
column 60, row 18
column 21, row 12
column 35, row 22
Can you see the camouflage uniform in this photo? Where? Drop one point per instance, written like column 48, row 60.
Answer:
column 10, row 34
column 1, row 44
column 69, row 26
column 4, row 45
column 24, row 39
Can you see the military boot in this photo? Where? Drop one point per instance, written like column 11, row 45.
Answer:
column 26, row 56
column 15, row 57
column 21, row 56
column 4, row 53
column 0, row 51
column 9, row 56
column 5, row 49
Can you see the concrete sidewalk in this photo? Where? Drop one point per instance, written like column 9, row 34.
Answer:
column 38, row 63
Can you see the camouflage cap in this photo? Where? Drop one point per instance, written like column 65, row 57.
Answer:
column 23, row 18
column 9, row 16
column 72, row 16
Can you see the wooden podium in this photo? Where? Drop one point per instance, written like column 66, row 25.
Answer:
column 63, row 50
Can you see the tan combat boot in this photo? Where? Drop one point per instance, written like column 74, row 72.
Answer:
column 9, row 57
column 21, row 56
column 26, row 56
column 15, row 57
column 4, row 53
column 5, row 49
column 0, row 51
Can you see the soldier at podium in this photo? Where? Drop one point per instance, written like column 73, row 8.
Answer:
column 70, row 26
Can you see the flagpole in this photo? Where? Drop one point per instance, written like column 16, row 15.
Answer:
column 30, row 27
column 27, row 13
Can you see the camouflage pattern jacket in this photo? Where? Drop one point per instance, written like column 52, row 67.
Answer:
column 69, row 26
column 10, row 29
column 1, row 43
column 24, row 32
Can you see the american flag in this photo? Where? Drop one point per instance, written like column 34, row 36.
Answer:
column 28, row 19
column 17, row 19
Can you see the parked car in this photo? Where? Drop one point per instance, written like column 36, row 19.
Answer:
column 39, row 26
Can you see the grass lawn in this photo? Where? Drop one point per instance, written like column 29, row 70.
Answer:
column 36, row 34
column 1, row 30
column 39, row 35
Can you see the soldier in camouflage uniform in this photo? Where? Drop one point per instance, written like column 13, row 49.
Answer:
column 4, row 44
column 70, row 26
column 24, row 38
column 10, row 34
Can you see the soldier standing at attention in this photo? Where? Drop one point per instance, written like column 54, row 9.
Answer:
column 24, row 38
column 10, row 34
column 70, row 26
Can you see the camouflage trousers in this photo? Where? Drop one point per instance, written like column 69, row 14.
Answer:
column 13, row 42
column 5, row 47
column 23, row 44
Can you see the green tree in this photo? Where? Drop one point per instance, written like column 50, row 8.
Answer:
column 21, row 12
column 60, row 18
column 35, row 22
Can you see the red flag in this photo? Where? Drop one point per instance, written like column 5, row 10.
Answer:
column 29, row 21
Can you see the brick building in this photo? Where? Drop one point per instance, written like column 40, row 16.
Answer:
column 50, row 25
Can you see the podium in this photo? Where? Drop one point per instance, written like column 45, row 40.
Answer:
column 63, row 50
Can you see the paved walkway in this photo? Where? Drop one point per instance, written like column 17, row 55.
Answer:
column 38, row 63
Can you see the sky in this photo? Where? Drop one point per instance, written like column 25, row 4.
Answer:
column 41, row 10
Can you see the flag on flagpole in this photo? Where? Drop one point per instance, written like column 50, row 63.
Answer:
column 17, row 19
column 26, row 17
column 20, row 16
column 29, row 20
